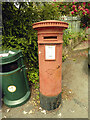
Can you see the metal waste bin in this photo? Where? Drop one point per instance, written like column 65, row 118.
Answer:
column 13, row 78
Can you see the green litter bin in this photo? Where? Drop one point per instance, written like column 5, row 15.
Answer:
column 13, row 78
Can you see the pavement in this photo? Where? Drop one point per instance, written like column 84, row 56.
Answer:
column 74, row 91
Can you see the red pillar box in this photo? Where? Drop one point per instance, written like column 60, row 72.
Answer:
column 50, row 34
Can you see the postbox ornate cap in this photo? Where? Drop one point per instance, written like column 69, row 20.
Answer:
column 50, row 23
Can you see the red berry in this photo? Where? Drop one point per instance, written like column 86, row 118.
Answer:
column 73, row 6
column 84, row 3
column 83, row 13
column 79, row 7
column 88, row 4
column 75, row 10
column 72, row 12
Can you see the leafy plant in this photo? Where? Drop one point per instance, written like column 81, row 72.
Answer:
column 33, row 76
column 63, row 58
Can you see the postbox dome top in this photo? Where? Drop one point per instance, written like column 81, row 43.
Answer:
column 50, row 23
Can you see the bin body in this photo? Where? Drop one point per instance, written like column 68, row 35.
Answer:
column 50, row 41
column 14, row 80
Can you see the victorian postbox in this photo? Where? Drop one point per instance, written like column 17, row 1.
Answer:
column 50, row 35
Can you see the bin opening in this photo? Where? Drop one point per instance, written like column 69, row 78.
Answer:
column 50, row 37
column 9, row 67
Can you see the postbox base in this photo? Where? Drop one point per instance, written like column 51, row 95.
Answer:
column 16, row 103
column 50, row 103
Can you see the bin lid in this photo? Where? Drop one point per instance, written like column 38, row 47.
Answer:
column 8, row 56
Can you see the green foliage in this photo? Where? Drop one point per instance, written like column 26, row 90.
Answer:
column 33, row 76
column 17, row 27
column 81, row 33
column 69, row 35
column 48, row 11
column 63, row 58
column 66, row 37
column 18, row 32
